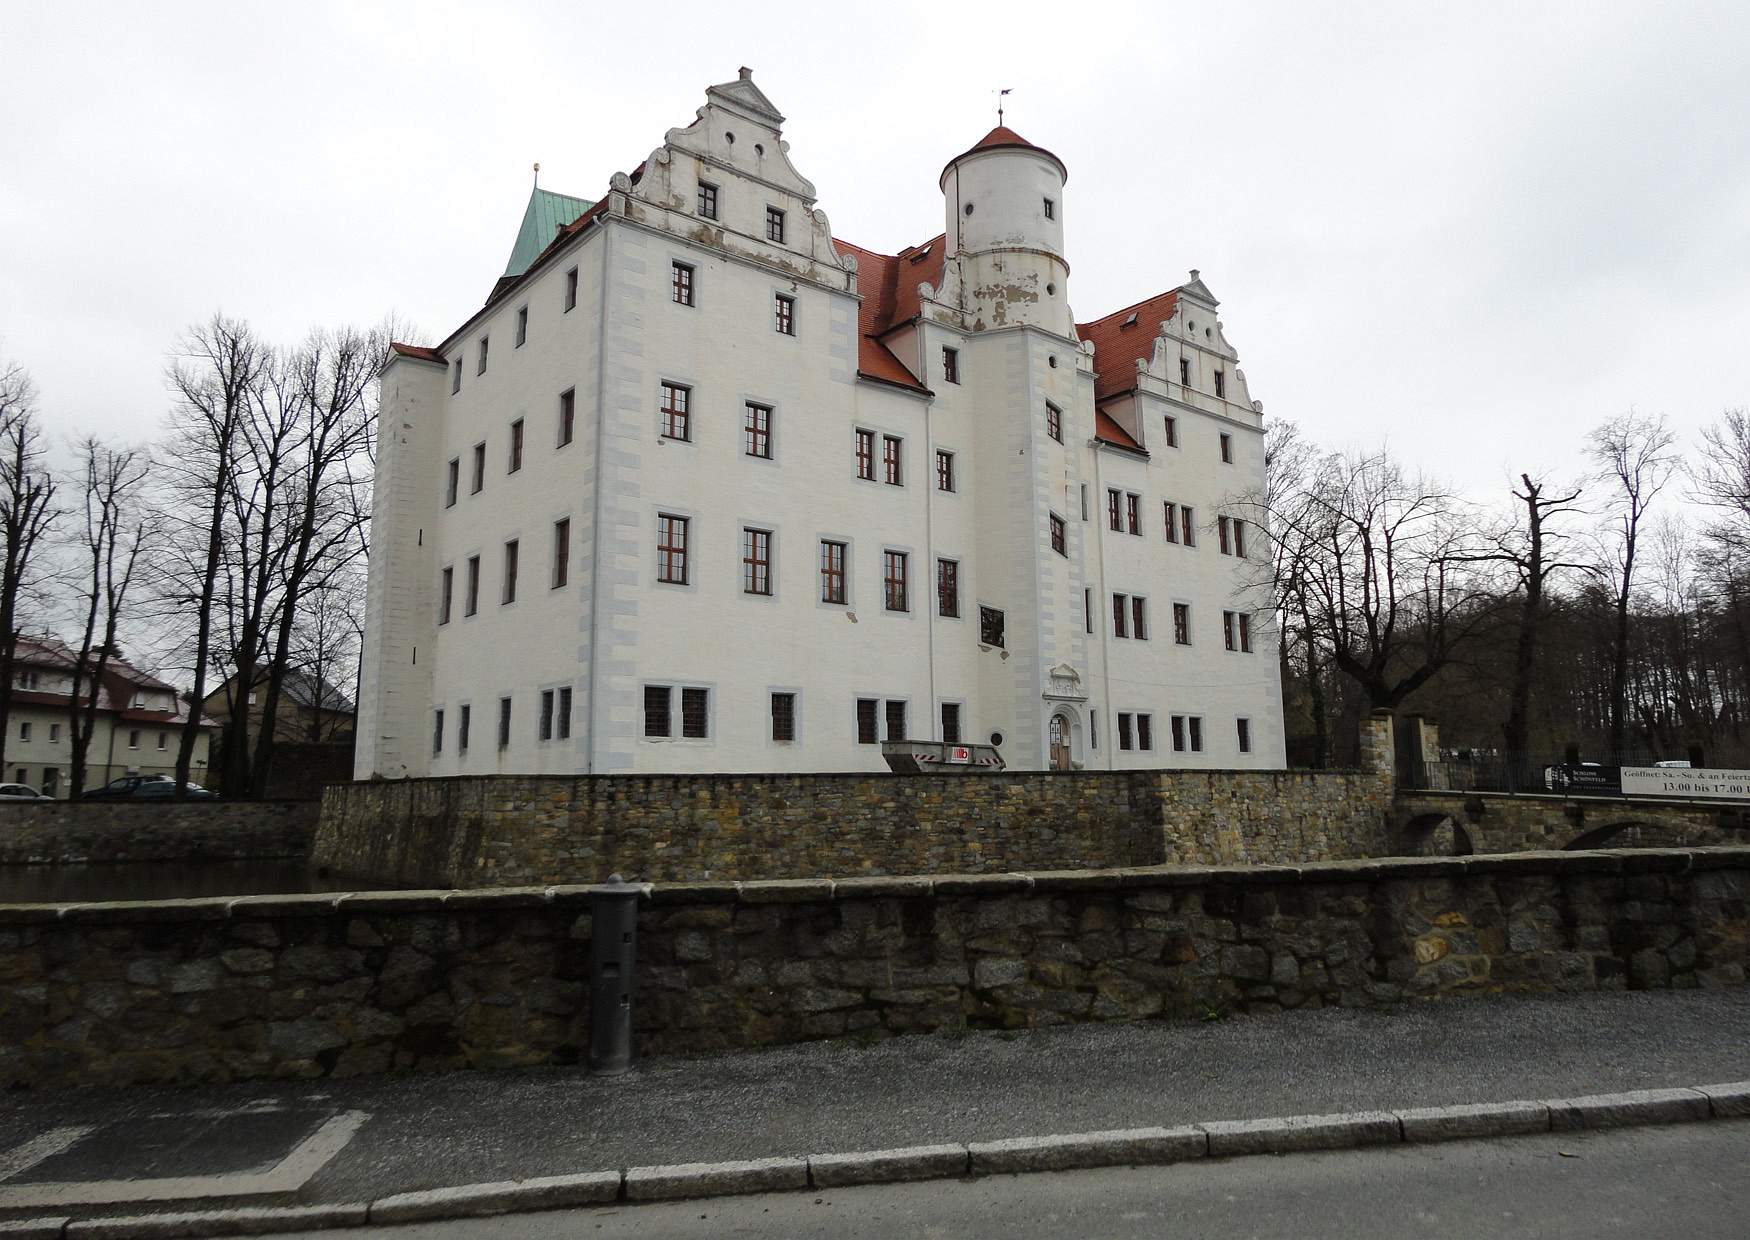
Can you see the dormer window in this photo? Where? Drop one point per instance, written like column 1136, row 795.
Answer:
column 774, row 225
column 1050, row 209
column 707, row 201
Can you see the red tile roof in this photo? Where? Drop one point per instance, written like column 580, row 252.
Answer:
column 1122, row 339
column 1000, row 137
column 416, row 350
column 888, row 285
column 1106, row 430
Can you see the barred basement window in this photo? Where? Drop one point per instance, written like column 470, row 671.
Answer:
column 756, row 431
column 990, row 626
column 656, row 710
column 671, row 548
column 868, row 713
column 675, row 421
column 681, row 278
column 783, row 717
column 695, row 713
column 707, row 201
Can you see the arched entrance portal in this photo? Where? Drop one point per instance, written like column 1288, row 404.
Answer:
column 1060, row 751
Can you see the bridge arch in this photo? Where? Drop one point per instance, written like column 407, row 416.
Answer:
column 1437, row 834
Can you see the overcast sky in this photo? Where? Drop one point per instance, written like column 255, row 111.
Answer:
column 1474, row 230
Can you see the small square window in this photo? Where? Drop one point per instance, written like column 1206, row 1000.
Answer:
column 571, row 289
column 784, row 314
column 522, row 326
column 681, row 281
column 1050, row 209
column 774, row 225
column 783, row 717
column 707, row 201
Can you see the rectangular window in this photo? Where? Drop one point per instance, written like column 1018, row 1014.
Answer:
column 1239, row 538
column 1184, row 372
column 1084, row 491
column 1139, row 617
column 462, row 730
column 24, row 731
column 561, row 552
column 1229, row 637
column 456, row 377
column 1244, row 726
column 1222, row 537
column 1172, row 429
column 571, row 289
column 1088, row 610
column 671, row 548
column 951, row 723
column 784, row 314
column 990, row 626
column 1050, row 209
column 1187, row 526
column 676, row 400
column 1114, row 510
column 1124, row 732
column 477, row 481
column 565, row 713
column 756, row 431
column 1059, row 535
column 567, row 415
column 1227, row 448
column 890, row 461
column 695, row 713
column 437, row 732
column 707, row 200
column 510, row 562
column 948, row 588
column 522, row 326
column 1194, row 726
column 449, row 581
column 1245, row 633
column 896, row 721
column 1178, row 727
column 1054, row 421
column 546, row 714
column 472, row 603
column 868, row 716
column 55, row 735
column 944, row 470
column 1182, row 623
column 1145, row 739
column 480, row 368
column 163, row 739
column 756, row 561
column 1221, row 390
column 866, row 455
column 681, row 279
column 950, row 365
column 1120, row 615
column 504, row 723
column 774, row 225
column 783, row 717
column 1133, row 512
column 893, row 579
column 832, row 571
column 656, row 710
column 516, row 446
column 452, row 480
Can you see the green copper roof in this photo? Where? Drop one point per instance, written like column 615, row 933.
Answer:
column 547, row 214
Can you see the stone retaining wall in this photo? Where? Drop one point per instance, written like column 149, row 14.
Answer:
column 312, row 985
column 77, row 832
column 504, row 830
column 1499, row 822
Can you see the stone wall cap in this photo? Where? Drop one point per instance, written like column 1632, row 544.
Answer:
column 1074, row 880
column 898, row 886
column 394, row 901
column 981, row 884
column 724, row 892
column 785, row 891
column 124, row 911
column 1419, row 867
column 29, row 914
column 1652, row 860
column 1720, row 857
column 315, row 904
column 1543, row 861
column 496, row 897
column 1361, row 870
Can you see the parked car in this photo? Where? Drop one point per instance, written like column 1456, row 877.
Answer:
column 146, row 788
column 22, row 792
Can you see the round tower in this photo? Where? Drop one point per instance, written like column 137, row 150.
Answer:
column 1004, row 204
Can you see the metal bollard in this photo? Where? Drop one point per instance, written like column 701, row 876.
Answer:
column 613, row 955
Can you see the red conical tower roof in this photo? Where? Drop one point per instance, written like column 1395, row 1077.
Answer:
column 1002, row 137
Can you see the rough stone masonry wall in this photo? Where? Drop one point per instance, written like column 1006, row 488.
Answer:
column 74, row 832
column 311, row 985
column 506, row 830
column 1498, row 823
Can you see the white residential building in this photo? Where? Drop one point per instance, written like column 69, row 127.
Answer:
column 704, row 488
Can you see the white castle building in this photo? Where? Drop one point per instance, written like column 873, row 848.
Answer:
column 703, row 487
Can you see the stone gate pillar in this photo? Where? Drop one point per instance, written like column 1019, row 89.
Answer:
column 1379, row 746
column 1425, row 744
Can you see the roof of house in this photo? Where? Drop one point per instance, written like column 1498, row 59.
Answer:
column 45, row 651
column 416, row 350
column 997, row 139
column 545, row 215
column 1123, row 338
column 888, row 285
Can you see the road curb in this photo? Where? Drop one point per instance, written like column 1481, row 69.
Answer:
column 1020, row 1155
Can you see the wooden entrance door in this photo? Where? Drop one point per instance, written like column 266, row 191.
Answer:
column 1059, row 743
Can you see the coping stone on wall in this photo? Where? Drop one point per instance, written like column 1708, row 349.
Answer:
column 785, row 891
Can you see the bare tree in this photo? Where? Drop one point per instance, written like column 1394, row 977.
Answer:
column 1633, row 454
column 1721, row 479
column 114, row 533
column 1533, row 553
column 27, row 512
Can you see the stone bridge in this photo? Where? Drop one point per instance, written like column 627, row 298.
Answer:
column 1435, row 823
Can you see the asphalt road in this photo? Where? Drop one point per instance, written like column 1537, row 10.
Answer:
column 1687, row 1181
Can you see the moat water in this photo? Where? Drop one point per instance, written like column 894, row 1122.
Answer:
column 155, row 880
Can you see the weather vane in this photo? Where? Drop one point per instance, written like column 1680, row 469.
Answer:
column 999, row 94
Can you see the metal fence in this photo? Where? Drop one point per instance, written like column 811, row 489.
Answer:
column 1568, row 774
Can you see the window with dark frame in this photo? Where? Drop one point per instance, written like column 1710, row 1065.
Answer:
column 516, row 446
column 1059, row 535
column 832, row 571
column 756, row 561
column 1184, row 372
column 1221, row 536
column 671, row 548
column 471, row 604
column 522, row 326
column 1177, row 724
column 437, row 732
column 561, row 552
column 1133, row 511
column 1187, row 526
column 695, row 714
column 866, row 455
column 1244, row 727
column 774, row 225
column 1194, row 726
column 1054, row 421
column 1245, row 633
column 951, row 723
column 676, row 421
column 868, row 721
column 950, row 365
column 990, row 626
column 890, row 461
column 1172, row 430
column 1172, row 521
column 565, row 713
column 1145, row 740
column 681, row 281
column 1182, row 624
column 1120, row 615
column 504, row 705
column 452, row 480
column 895, row 721
column 1227, row 448
column 508, row 595
column 707, row 200
column 1124, row 733
column 944, row 470
column 948, row 588
column 571, row 289
column 1114, row 509
column 1088, row 609
column 462, row 722
column 784, row 717
column 546, row 723
column 449, row 581
column 567, row 415
column 478, row 481
column 656, row 710
column 1139, row 617
column 1050, row 209
column 456, row 377
column 756, row 431
column 1228, row 636
column 895, row 592
column 481, row 368
column 784, row 314
column 1221, row 389
column 1239, row 538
